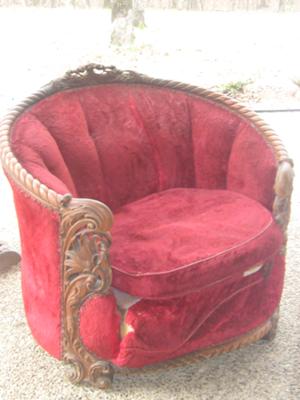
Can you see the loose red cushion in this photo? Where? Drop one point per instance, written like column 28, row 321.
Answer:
column 180, row 240
column 206, row 318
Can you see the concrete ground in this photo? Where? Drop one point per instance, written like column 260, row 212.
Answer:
column 263, row 371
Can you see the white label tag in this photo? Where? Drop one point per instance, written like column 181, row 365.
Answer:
column 253, row 270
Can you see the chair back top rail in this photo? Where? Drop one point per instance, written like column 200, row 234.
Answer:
column 95, row 74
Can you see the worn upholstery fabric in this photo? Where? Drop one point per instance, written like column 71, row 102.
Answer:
column 165, row 162
column 199, row 320
column 100, row 326
column 40, row 266
column 177, row 241
column 118, row 143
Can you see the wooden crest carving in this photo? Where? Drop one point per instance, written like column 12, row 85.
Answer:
column 94, row 74
column 86, row 271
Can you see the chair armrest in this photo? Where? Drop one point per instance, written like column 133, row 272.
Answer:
column 85, row 226
column 283, row 188
column 85, row 237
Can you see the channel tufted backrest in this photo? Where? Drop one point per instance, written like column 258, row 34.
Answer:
column 120, row 142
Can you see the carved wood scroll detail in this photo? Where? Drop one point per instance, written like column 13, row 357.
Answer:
column 86, row 272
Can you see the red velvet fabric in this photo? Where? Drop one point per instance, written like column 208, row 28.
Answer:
column 210, row 317
column 118, row 143
column 127, row 145
column 180, row 240
column 100, row 326
column 251, row 167
column 37, row 151
column 40, row 266
column 214, row 131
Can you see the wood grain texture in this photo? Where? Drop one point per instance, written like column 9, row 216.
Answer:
column 86, row 272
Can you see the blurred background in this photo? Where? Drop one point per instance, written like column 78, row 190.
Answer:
column 245, row 48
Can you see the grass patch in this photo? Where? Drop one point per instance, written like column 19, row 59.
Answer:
column 234, row 88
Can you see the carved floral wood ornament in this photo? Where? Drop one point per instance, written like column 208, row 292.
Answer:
column 85, row 224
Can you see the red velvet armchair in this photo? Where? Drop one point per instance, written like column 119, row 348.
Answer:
column 199, row 191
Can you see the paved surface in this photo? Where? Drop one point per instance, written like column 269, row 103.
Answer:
column 260, row 372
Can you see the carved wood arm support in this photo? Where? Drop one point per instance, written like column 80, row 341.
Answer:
column 86, row 271
column 283, row 188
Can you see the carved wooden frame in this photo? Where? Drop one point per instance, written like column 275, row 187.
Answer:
column 85, row 241
column 85, row 223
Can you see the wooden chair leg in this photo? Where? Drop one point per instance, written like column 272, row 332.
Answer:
column 87, row 369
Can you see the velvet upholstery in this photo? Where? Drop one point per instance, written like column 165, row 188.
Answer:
column 255, row 176
column 199, row 320
column 180, row 240
column 139, row 140
column 100, row 326
column 41, row 284
column 191, row 186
